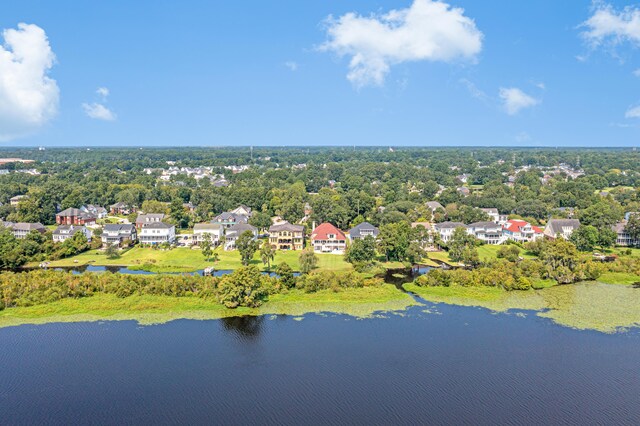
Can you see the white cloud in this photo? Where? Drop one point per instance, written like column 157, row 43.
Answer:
column 633, row 112
column 99, row 112
column 28, row 96
column 523, row 137
column 474, row 90
column 103, row 92
column 637, row 72
column 426, row 31
column 293, row 66
column 608, row 25
column 514, row 100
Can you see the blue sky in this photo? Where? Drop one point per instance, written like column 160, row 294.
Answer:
column 276, row 73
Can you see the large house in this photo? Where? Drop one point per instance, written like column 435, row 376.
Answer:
column 157, row 233
column 73, row 216
column 434, row 206
column 521, row 231
column 487, row 232
column 63, row 232
column 144, row 219
column 232, row 234
column 14, row 201
column 121, row 209
column 215, row 231
column 326, row 238
column 118, row 234
column 445, row 229
column 495, row 216
column 229, row 219
column 622, row 235
column 363, row 230
column 97, row 211
column 285, row 236
column 561, row 227
column 21, row 229
column 242, row 210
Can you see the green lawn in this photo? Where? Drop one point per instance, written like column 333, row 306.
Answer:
column 488, row 252
column 619, row 278
column 359, row 302
column 188, row 260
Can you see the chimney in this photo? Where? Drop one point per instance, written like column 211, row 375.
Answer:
column 313, row 226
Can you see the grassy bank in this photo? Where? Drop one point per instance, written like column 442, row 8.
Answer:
column 585, row 306
column 358, row 302
column 189, row 260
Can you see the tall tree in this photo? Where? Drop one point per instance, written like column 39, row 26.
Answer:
column 247, row 246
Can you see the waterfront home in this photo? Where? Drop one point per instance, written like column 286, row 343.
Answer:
column 73, row 216
column 122, row 209
column 229, row 219
column 495, row 216
column 326, row 238
column 561, row 227
column 118, row 234
column 285, row 236
column 21, row 229
column 97, row 211
column 215, row 231
column 445, row 229
column 623, row 238
column 487, row 232
column 363, row 230
column 144, row 219
column 232, row 234
column 14, row 201
column 521, row 231
column 157, row 233
column 63, row 232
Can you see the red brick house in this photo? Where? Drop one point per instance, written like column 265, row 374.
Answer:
column 73, row 216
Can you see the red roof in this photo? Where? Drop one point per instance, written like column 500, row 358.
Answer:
column 322, row 233
column 516, row 225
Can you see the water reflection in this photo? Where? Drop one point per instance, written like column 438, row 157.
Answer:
column 246, row 327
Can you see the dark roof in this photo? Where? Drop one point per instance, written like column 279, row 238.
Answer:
column 447, row 225
column 22, row 226
column 70, row 229
column 355, row 232
column 484, row 225
column 122, row 227
column 556, row 225
column 286, row 226
column 157, row 225
column 239, row 228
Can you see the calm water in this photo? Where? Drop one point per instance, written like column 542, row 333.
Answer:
column 454, row 365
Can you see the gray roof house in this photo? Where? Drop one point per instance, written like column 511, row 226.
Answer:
column 143, row 219
column 63, row 232
column 562, row 227
column 234, row 232
column 21, row 229
column 363, row 230
column 117, row 234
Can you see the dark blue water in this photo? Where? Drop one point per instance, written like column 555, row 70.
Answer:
column 457, row 366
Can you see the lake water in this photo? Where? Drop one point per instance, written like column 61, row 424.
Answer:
column 450, row 365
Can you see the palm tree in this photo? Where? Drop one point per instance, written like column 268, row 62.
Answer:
column 267, row 254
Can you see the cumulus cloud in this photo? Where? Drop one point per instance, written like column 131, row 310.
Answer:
column 633, row 112
column 426, row 31
column 515, row 100
column 293, row 66
column 98, row 110
column 28, row 96
column 608, row 25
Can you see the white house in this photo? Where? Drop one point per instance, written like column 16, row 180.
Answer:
column 445, row 229
column 561, row 227
column 63, row 232
column 487, row 232
column 215, row 230
column 232, row 234
column 521, row 231
column 495, row 216
column 117, row 234
column 157, row 233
